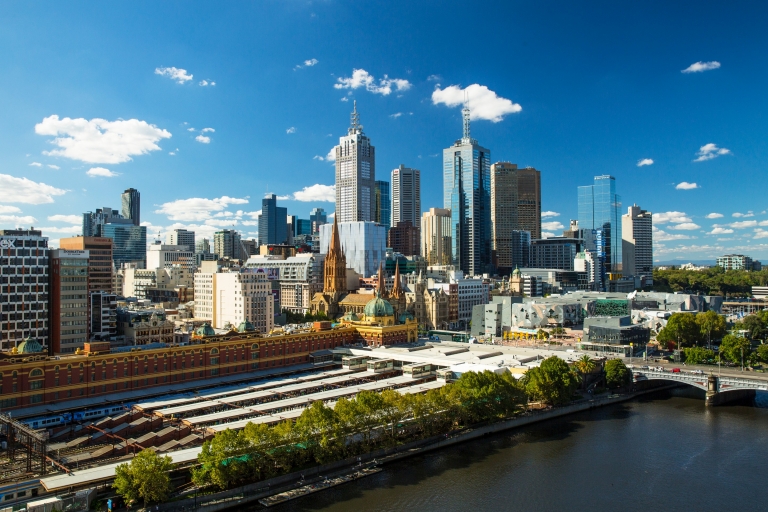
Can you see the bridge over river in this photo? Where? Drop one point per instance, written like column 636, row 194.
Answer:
column 721, row 385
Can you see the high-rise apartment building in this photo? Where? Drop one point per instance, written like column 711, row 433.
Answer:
column 99, row 260
column 436, row 236
column 467, row 193
column 103, row 316
column 355, row 174
column 554, row 253
column 317, row 217
column 406, row 195
column 737, row 262
column 404, row 238
column 131, row 202
column 181, row 237
column 226, row 244
column 515, row 207
column 234, row 297
column 600, row 222
column 273, row 223
column 165, row 256
column 68, row 309
column 23, row 287
column 637, row 244
column 382, row 206
column 203, row 245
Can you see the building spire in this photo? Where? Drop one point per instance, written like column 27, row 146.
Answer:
column 465, row 112
column 355, row 127
column 381, row 289
column 397, row 289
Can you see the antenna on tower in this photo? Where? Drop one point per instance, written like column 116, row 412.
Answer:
column 355, row 118
column 465, row 111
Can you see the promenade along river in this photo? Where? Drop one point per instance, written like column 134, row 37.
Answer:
column 664, row 451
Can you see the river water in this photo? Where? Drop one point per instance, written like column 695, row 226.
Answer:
column 664, row 451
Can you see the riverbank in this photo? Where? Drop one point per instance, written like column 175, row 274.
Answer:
column 315, row 475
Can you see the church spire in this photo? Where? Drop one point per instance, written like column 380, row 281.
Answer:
column 397, row 289
column 381, row 289
column 335, row 268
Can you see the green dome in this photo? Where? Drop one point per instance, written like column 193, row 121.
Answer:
column 516, row 272
column 246, row 326
column 29, row 346
column 205, row 330
column 378, row 307
column 405, row 317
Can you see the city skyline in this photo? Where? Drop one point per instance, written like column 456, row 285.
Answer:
column 674, row 117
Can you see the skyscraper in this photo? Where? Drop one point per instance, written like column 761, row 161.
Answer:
column 226, row 244
column 382, row 206
column 406, row 195
column 99, row 260
column 466, row 192
column 355, row 174
column 436, row 236
column 317, row 217
column 68, row 308
column 515, row 207
column 273, row 223
column 181, row 237
column 637, row 244
column 600, row 222
column 132, row 206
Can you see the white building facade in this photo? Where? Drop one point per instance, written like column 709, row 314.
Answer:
column 355, row 174
column 364, row 245
column 166, row 256
column 243, row 296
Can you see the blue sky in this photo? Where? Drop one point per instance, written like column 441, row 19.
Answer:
column 574, row 89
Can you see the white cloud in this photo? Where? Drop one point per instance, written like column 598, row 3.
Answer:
column 71, row 219
column 483, row 103
column 760, row 233
column 23, row 190
column 361, row 78
column 178, row 74
column 553, row 226
column 18, row 220
column 395, row 115
column 662, row 236
column 71, row 230
column 36, row 164
column 206, row 130
column 306, row 64
column 547, row 234
column 344, row 99
column 684, row 185
column 330, row 157
column 546, row 214
column 206, row 83
column 710, row 151
column 685, row 226
column 700, row 66
column 101, row 172
column 203, row 139
column 750, row 213
column 316, row 192
column 714, row 215
column 278, row 197
column 9, row 209
column 292, row 129
column 54, row 167
column 99, row 140
column 190, row 129
column 433, row 78
column 720, row 231
column 743, row 224
column 673, row 217
column 197, row 208
column 644, row 161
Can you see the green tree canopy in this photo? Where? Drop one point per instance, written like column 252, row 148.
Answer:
column 698, row 355
column 712, row 281
column 146, row 477
column 712, row 325
column 553, row 382
column 682, row 328
column 732, row 347
column 617, row 374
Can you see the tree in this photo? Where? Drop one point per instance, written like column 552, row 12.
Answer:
column 221, row 460
column 617, row 374
column 698, row 355
column 762, row 353
column 754, row 327
column 553, row 382
column 145, row 477
column 733, row 348
column 681, row 329
column 711, row 325
column 584, row 365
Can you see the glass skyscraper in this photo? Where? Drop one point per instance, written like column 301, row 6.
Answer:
column 129, row 243
column 382, row 212
column 600, row 221
column 467, row 193
column 273, row 223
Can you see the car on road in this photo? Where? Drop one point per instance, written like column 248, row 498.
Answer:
column 675, row 370
column 697, row 372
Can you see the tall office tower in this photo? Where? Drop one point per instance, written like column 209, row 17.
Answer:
column 355, row 174
column 103, row 316
column 554, row 252
column 529, row 201
column 404, row 238
column 129, row 243
column 68, row 309
column 203, row 245
column 99, row 260
column 600, row 222
column 382, row 206
column 24, row 287
column 406, row 195
column 436, row 236
column 521, row 249
column 364, row 244
column 503, row 214
column 132, row 206
column 93, row 221
column 637, row 243
column 181, row 237
column 317, row 217
column 226, row 244
column 466, row 192
column 302, row 227
column 273, row 223
column 290, row 229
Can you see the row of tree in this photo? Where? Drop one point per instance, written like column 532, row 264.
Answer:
column 299, row 318
column 692, row 329
column 712, row 281
column 359, row 425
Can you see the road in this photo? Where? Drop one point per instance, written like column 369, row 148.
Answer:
column 725, row 371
